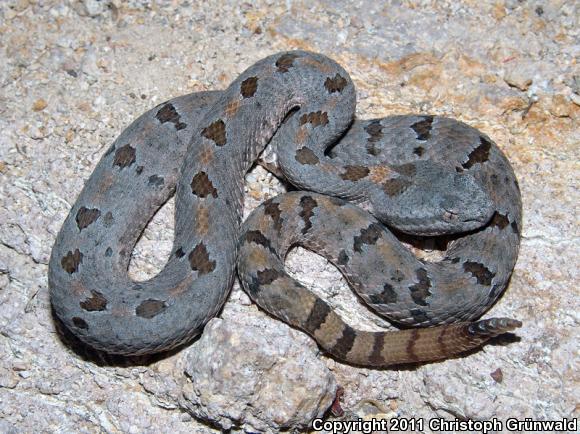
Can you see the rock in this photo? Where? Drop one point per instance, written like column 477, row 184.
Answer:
column 21, row 5
column 89, row 66
column 8, row 379
column 498, row 11
column 497, row 375
column 257, row 378
column 560, row 106
column 371, row 414
column 518, row 77
column 39, row 105
column 91, row 8
column 574, row 83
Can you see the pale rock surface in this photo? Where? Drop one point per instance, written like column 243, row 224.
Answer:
column 74, row 74
column 256, row 377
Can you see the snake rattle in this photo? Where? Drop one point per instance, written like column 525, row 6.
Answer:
column 421, row 175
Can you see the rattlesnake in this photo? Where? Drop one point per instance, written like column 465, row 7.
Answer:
column 419, row 174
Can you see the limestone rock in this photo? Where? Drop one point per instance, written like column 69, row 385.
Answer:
column 91, row 8
column 256, row 377
column 519, row 76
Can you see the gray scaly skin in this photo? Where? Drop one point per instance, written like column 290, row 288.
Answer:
column 419, row 174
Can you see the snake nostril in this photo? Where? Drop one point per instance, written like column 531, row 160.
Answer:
column 450, row 214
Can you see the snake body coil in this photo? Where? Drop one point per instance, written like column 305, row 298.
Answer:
column 422, row 175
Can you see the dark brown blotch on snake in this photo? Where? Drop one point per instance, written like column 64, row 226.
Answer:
column 354, row 173
column 216, row 131
column 307, row 205
column 481, row 273
column 272, row 209
column 125, row 156
column 306, row 156
column 335, row 84
column 202, row 187
column 70, row 263
column 167, row 113
column 411, row 345
column 388, row 295
column 420, row 290
column 86, row 216
column 395, row 186
column 200, row 261
column 80, row 323
column 344, row 343
column 258, row 237
column 423, row 128
column 375, row 131
column 150, row 308
column 418, row 151
column 499, row 220
column 317, row 316
column 249, row 86
column 265, row 277
column 285, row 62
column 408, row 170
column 342, row 258
column 376, row 358
column 315, row 118
column 368, row 236
column 96, row 302
column 479, row 154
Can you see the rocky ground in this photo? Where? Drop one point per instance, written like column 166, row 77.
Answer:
column 74, row 73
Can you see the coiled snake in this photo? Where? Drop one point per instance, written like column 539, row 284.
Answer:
column 423, row 175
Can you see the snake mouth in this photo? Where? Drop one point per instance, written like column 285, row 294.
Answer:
column 468, row 219
column 454, row 215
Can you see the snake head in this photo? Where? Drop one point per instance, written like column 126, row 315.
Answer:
column 432, row 200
